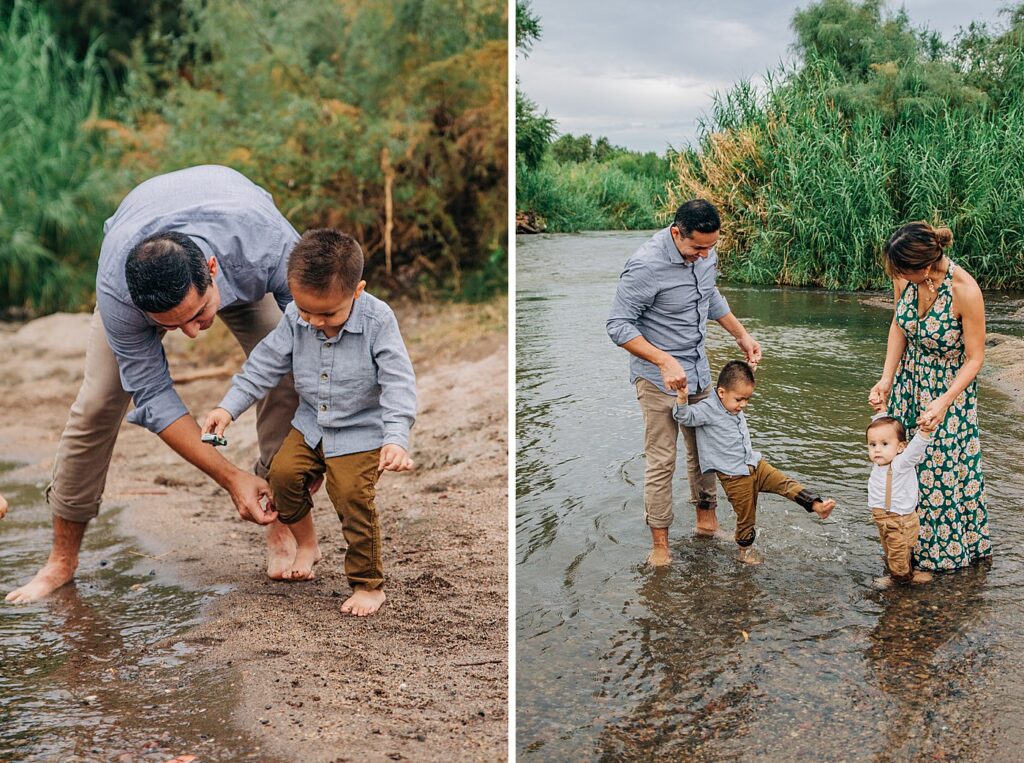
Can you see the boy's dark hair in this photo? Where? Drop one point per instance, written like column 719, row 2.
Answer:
column 734, row 372
column 161, row 269
column 325, row 257
column 888, row 421
column 697, row 215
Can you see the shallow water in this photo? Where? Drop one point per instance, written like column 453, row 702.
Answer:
column 98, row 671
column 798, row 659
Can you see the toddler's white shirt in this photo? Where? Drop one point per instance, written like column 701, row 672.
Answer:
column 904, row 478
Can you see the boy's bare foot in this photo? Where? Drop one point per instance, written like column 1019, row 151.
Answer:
column 365, row 601
column 280, row 551
column 882, row 583
column 51, row 576
column 302, row 566
column 920, row 576
column 750, row 555
column 823, row 508
column 707, row 522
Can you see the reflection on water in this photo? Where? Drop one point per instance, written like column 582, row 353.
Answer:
column 800, row 659
column 95, row 672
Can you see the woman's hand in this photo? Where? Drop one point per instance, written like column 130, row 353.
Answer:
column 934, row 414
column 878, row 397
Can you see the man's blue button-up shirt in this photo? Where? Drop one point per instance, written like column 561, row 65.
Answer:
column 230, row 218
column 668, row 302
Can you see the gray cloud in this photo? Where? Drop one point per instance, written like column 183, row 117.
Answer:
column 643, row 73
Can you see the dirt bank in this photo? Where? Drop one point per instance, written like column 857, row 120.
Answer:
column 426, row 678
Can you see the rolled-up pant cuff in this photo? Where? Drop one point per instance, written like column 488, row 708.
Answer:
column 659, row 523
column 69, row 512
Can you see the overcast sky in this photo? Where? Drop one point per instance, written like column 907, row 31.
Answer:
column 641, row 73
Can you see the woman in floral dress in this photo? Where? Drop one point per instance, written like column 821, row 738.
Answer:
column 936, row 348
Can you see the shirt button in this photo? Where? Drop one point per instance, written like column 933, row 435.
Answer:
column 323, row 377
column 323, row 406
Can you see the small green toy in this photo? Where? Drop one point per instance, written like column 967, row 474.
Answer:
column 214, row 439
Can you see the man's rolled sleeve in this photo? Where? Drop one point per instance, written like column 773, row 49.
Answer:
column 278, row 282
column 141, row 365
column 634, row 294
column 718, row 307
column 397, row 382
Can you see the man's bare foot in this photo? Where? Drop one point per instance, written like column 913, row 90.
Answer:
column 920, row 577
column 750, row 555
column 823, row 508
column 281, row 549
column 365, row 601
column 660, row 556
column 707, row 523
column 50, row 577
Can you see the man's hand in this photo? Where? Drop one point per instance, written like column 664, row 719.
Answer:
column 672, row 373
column 393, row 458
column 248, row 492
column 751, row 349
column 216, row 422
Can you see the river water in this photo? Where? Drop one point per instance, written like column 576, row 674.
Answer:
column 103, row 670
column 797, row 659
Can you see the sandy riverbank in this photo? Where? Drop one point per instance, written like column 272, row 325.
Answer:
column 426, row 678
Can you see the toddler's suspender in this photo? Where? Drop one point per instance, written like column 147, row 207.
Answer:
column 888, row 488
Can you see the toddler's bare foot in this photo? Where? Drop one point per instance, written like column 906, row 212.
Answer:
column 365, row 601
column 660, row 556
column 302, row 566
column 280, row 551
column 920, row 577
column 707, row 522
column 823, row 508
column 750, row 555
column 51, row 576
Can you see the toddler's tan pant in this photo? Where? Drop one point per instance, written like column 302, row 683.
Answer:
column 898, row 533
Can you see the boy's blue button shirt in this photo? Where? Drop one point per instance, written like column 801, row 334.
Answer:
column 230, row 218
column 357, row 391
column 723, row 440
column 668, row 302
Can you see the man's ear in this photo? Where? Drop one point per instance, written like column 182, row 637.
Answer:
column 212, row 265
column 359, row 290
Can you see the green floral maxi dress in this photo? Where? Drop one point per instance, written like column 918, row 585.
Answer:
column 954, row 522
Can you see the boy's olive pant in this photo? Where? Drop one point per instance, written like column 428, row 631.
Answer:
column 742, row 493
column 352, row 486
column 898, row 533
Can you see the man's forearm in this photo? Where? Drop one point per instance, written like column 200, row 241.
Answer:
column 732, row 324
column 646, row 351
column 184, row 438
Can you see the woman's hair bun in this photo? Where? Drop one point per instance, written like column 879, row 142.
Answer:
column 943, row 237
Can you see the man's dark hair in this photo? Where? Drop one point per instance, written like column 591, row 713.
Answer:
column 162, row 269
column 325, row 258
column 697, row 215
column 734, row 372
column 888, row 421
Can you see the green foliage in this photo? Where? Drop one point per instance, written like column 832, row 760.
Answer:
column 878, row 126
column 527, row 27
column 489, row 281
column 56, row 191
column 534, row 131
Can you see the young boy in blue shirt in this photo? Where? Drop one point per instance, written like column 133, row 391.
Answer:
column 357, row 403
column 723, row 446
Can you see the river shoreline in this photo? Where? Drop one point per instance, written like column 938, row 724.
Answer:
column 426, row 678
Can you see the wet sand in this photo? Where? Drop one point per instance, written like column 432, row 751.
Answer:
column 424, row 679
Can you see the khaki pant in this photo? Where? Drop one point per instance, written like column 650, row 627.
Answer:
column 742, row 493
column 83, row 456
column 898, row 533
column 661, row 433
column 352, row 486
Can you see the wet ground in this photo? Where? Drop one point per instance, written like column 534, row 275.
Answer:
column 99, row 671
column 799, row 659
